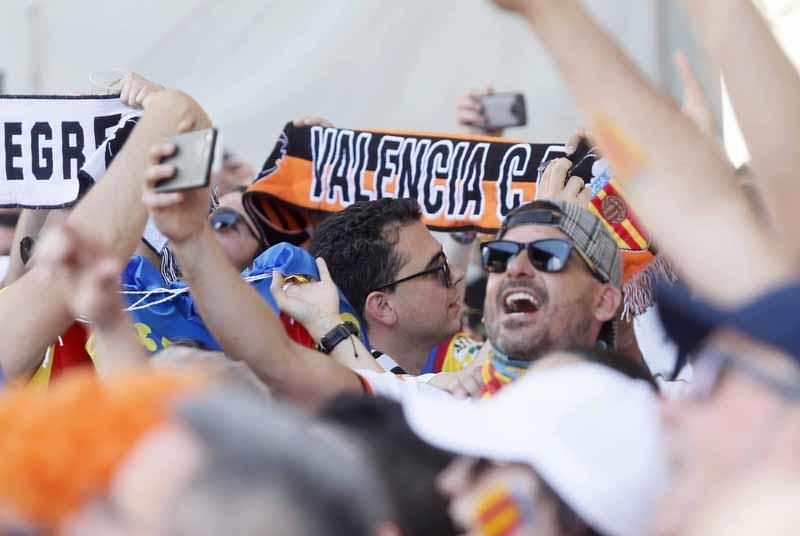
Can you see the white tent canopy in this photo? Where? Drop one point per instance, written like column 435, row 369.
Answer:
column 254, row 65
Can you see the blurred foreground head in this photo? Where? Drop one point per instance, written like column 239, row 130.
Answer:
column 158, row 454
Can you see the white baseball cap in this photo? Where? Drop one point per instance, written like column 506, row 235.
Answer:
column 591, row 433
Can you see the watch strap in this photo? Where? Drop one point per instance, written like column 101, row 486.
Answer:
column 336, row 335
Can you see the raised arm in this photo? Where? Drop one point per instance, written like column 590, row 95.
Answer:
column 86, row 278
column 765, row 93
column 112, row 213
column 676, row 177
column 238, row 317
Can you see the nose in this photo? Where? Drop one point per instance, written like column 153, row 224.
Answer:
column 520, row 266
column 457, row 275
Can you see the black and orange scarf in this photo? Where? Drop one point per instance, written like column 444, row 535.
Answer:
column 461, row 182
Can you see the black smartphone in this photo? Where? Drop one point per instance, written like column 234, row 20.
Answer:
column 583, row 160
column 194, row 154
column 504, row 110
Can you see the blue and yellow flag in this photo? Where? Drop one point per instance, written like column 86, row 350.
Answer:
column 160, row 325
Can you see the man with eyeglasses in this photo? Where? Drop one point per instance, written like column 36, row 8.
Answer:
column 395, row 273
column 540, row 295
column 744, row 415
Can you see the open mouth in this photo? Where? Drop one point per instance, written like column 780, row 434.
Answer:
column 520, row 302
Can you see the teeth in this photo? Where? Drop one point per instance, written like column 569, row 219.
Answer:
column 514, row 299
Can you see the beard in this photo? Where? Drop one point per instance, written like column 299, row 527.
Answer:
column 557, row 327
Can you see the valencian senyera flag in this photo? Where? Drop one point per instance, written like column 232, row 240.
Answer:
column 461, row 182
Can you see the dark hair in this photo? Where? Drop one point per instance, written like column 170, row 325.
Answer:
column 634, row 369
column 358, row 244
column 263, row 466
column 407, row 464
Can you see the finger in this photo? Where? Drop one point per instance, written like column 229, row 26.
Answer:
column 471, row 386
column 573, row 187
column 187, row 125
column 156, row 201
column 140, row 95
column 322, row 266
column 544, row 187
column 160, row 151
column 276, row 287
column 159, row 172
column 585, row 197
column 125, row 90
column 466, row 102
column 573, row 141
column 488, row 90
column 559, row 168
column 469, row 117
column 317, row 121
column 459, row 392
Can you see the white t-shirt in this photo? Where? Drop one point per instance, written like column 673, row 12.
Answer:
column 397, row 386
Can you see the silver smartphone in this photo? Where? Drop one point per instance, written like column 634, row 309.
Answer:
column 504, row 110
column 194, row 154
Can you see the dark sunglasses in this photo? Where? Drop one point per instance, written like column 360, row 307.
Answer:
column 711, row 367
column 443, row 269
column 549, row 255
column 226, row 218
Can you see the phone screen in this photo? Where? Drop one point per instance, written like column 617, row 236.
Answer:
column 504, row 110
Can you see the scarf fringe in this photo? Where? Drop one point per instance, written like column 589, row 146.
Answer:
column 639, row 293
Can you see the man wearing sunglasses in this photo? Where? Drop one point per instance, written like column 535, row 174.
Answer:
column 744, row 415
column 235, row 231
column 554, row 282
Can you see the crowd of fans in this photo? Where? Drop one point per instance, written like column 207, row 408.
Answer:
column 550, row 418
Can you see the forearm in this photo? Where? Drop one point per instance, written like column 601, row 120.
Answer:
column 350, row 353
column 683, row 188
column 31, row 322
column 248, row 330
column 112, row 211
column 116, row 346
column 766, row 98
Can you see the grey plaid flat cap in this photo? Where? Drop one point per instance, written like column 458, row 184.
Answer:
column 587, row 232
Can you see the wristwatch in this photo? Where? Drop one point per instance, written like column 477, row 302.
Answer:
column 341, row 332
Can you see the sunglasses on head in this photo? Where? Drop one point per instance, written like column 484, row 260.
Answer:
column 226, row 218
column 446, row 276
column 549, row 255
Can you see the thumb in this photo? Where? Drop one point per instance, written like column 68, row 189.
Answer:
column 322, row 266
column 276, row 287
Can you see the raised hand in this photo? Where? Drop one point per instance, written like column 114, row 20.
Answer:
column 178, row 215
column 85, row 274
column 555, row 186
column 314, row 304
column 135, row 89
column 470, row 113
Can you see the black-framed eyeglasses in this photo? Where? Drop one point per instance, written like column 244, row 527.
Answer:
column 226, row 218
column 712, row 365
column 446, row 276
column 548, row 255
